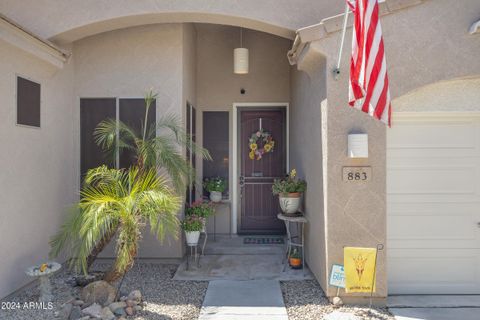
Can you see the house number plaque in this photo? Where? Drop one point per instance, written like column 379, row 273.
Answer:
column 357, row 174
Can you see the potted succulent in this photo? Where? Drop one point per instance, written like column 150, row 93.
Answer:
column 289, row 191
column 295, row 259
column 192, row 225
column 215, row 186
column 201, row 209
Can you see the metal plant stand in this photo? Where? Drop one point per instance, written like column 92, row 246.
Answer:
column 297, row 241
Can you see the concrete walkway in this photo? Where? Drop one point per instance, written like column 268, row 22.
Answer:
column 435, row 307
column 240, row 300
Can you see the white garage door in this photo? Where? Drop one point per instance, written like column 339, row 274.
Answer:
column 433, row 204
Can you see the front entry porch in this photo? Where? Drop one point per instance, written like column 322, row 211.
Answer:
column 229, row 258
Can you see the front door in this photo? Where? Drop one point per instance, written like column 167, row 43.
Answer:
column 258, row 207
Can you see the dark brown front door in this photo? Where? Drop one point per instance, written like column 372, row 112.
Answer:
column 258, row 207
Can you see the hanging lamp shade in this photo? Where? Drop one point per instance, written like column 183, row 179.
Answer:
column 240, row 60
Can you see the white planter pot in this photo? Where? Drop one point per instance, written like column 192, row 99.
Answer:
column 215, row 196
column 192, row 237
column 290, row 203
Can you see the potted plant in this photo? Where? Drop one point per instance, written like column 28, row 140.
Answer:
column 201, row 209
column 215, row 186
column 295, row 259
column 192, row 225
column 289, row 192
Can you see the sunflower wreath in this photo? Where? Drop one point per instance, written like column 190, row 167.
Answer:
column 260, row 142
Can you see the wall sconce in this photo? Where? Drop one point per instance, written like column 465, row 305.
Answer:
column 358, row 145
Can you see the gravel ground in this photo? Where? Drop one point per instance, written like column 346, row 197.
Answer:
column 305, row 300
column 166, row 299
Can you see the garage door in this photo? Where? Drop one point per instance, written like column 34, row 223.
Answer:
column 433, row 204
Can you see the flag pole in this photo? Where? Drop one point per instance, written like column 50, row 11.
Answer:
column 336, row 71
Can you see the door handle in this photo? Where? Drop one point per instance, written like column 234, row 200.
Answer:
column 241, row 181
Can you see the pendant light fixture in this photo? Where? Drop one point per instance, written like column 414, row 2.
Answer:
column 240, row 57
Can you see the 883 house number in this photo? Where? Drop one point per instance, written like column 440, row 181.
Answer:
column 357, row 174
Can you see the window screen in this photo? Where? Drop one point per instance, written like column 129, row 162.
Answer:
column 28, row 102
column 215, row 140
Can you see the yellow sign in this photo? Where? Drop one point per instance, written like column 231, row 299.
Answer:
column 359, row 269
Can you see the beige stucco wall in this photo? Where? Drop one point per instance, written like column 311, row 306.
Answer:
column 127, row 63
column 82, row 18
column 450, row 95
column 37, row 181
column 308, row 90
column 424, row 44
column 218, row 87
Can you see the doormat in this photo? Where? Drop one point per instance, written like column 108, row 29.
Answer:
column 263, row 240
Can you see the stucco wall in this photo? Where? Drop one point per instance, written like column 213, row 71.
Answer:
column 306, row 156
column 218, row 87
column 127, row 63
column 37, row 180
column 81, row 18
column 424, row 44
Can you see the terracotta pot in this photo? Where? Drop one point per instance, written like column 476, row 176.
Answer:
column 192, row 237
column 295, row 262
column 289, row 202
column 215, row 196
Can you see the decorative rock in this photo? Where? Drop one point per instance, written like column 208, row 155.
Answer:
column 107, row 314
column 123, row 298
column 118, row 308
column 100, row 292
column 137, row 308
column 65, row 311
column 129, row 311
column 95, row 310
column 337, row 301
column 131, row 303
column 120, row 312
column 135, row 295
column 76, row 313
column 117, row 305
column 85, row 318
column 77, row 302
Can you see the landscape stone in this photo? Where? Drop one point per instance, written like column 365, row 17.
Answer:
column 76, row 313
column 137, row 308
column 107, row 314
column 77, row 302
column 337, row 301
column 95, row 310
column 65, row 311
column 129, row 310
column 120, row 312
column 85, row 318
column 135, row 295
column 130, row 303
column 83, row 280
column 117, row 305
column 100, row 292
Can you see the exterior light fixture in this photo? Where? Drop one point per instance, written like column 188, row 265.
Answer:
column 358, row 145
column 240, row 58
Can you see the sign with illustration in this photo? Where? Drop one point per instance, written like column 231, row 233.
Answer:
column 359, row 269
column 337, row 276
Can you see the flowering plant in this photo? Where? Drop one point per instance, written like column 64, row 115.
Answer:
column 291, row 184
column 260, row 142
column 192, row 223
column 215, row 184
column 200, row 209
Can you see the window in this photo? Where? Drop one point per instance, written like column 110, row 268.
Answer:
column 28, row 102
column 216, row 141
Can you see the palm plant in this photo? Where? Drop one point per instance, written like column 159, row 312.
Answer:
column 111, row 198
column 159, row 145
column 123, row 201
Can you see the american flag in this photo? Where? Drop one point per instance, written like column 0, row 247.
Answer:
column 368, row 89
